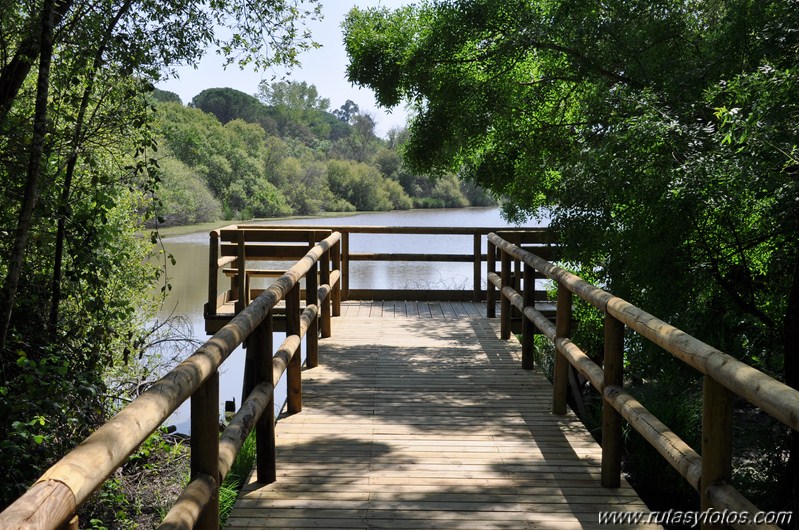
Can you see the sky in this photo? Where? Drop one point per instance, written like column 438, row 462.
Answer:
column 324, row 68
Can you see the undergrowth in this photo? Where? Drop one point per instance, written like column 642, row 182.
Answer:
column 141, row 492
column 236, row 478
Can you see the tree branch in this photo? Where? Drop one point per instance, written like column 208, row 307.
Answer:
column 585, row 61
column 16, row 71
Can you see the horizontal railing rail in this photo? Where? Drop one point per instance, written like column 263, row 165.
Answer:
column 724, row 377
column 234, row 249
column 53, row 500
column 540, row 236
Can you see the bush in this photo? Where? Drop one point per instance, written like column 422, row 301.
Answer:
column 267, row 201
column 185, row 199
column 365, row 187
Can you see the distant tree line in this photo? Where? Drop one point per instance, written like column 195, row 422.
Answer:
column 232, row 155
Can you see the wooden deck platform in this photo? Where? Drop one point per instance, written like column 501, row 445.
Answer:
column 419, row 417
column 412, row 309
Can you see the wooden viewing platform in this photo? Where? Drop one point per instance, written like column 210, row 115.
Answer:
column 419, row 417
column 424, row 414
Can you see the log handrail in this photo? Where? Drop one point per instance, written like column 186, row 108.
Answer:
column 254, row 233
column 54, row 498
column 232, row 247
column 724, row 377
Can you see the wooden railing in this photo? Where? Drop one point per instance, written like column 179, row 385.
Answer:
column 425, row 255
column 724, row 377
column 236, row 250
column 53, row 500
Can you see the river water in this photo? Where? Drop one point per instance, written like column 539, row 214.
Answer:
column 189, row 276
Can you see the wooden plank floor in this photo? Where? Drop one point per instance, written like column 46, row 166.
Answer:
column 399, row 309
column 428, row 422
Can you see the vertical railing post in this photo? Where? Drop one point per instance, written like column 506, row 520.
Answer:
column 336, row 294
column 324, row 310
column 560, row 376
column 345, row 264
column 250, row 363
column 246, row 289
column 213, row 266
column 504, row 305
column 611, row 419
column 241, row 277
column 716, row 438
column 528, row 329
column 478, row 265
column 294, row 370
column 234, row 287
column 205, row 444
column 491, row 268
column 311, row 298
column 261, row 341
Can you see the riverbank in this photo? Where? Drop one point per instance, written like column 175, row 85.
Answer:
column 181, row 230
column 467, row 216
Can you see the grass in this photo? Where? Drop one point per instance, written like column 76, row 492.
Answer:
column 235, row 479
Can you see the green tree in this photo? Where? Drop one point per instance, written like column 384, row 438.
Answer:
column 347, row 111
column 364, row 187
column 235, row 161
column 228, row 104
column 388, row 161
column 256, row 174
column 298, row 96
column 361, row 144
column 185, row 199
column 140, row 38
column 656, row 135
column 75, row 118
column 306, row 184
column 165, row 96
column 301, row 112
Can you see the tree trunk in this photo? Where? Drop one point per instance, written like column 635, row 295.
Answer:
column 25, row 221
column 61, row 236
column 16, row 71
column 77, row 140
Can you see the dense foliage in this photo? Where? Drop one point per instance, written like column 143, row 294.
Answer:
column 232, row 155
column 77, row 173
column 90, row 152
column 662, row 137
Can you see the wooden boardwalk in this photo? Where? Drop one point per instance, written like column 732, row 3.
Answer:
column 419, row 417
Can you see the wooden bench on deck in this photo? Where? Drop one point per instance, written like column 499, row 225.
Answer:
column 233, row 248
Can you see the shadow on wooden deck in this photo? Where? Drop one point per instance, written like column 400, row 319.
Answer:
column 413, row 422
